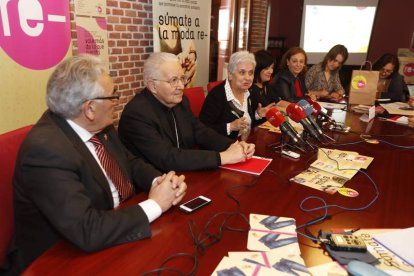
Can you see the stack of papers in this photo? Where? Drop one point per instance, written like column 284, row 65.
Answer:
column 276, row 250
column 332, row 105
column 402, row 120
column 266, row 125
column 398, row 108
column 332, row 169
column 390, row 262
column 399, row 242
column 269, row 127
column 361, row 108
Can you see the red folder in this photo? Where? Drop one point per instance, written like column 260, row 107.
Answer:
column 255, row 165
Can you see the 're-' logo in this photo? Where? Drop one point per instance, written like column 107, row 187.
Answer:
column 35, row 33
column 408, row 70
column 359, row 82
column 348, row 192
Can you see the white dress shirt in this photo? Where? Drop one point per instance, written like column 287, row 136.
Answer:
column 150, row 207
column 243, row 107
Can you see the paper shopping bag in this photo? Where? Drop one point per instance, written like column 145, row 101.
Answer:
column 363, row 86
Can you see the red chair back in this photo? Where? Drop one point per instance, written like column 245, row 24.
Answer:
column 9, row 147
column 196, row 97
column 213, row 84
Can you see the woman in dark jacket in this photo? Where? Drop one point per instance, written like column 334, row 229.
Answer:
column 391, row 84
column 289, row 83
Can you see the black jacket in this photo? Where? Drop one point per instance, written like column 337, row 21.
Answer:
column 284, row 85
column 217, row 113
column 60, row 192
column 145, row 130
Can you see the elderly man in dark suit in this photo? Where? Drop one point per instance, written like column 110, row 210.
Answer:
column 159, row 125
column 72, row 171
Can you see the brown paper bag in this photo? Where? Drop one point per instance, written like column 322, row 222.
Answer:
column 363, row 88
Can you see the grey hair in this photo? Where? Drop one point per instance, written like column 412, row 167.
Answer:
column 238, row 58
column 152, row 64
column 73, row 82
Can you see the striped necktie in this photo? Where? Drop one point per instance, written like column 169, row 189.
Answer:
column 113, row 171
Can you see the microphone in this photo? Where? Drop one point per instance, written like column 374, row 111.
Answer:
column 275, row 117
column 319, row 110
column 297, row 114
column 309, row 110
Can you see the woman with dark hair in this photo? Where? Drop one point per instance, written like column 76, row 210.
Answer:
column 261, row 91
column 322, row 79
column 391, row 84
column 289, row 83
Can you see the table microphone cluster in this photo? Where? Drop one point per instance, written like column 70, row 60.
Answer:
column 320, row 113
column 302, row 112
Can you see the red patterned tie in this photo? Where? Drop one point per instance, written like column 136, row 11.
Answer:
column 112, row 169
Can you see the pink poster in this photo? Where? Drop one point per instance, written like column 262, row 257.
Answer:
column 35, row 33
column 92, row 36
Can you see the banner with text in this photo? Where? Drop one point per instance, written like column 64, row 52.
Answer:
column 182, row 27
column 93, row 36
column 35, row 36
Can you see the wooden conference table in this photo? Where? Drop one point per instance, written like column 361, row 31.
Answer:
column 269, row 194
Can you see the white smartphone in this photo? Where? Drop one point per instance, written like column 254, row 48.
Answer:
column 194, row 204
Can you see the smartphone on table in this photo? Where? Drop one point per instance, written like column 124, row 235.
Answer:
column 194, row 204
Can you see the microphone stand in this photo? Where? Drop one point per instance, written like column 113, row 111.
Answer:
column 322, row 118
column 327, row 136
column 279, row 146
column 306, row 137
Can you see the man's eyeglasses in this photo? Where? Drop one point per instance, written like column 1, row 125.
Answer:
column 175, row 81
column 115, row 96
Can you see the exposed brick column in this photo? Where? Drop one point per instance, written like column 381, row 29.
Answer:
column 130, row 41
column 257, row 26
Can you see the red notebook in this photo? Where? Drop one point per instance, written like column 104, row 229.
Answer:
column 255, row 165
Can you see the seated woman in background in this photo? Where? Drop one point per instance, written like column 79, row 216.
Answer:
column 261, row 90
column 391, row 84
column 228, row 108
column 289, row 83
column 322, row 79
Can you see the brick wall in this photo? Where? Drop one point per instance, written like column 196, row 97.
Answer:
column 129, row 44
column 257, row 26
column 130, row 41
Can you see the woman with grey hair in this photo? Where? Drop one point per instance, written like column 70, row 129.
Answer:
column 228, row 108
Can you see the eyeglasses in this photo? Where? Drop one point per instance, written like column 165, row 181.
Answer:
column 115, row 96
column 387, row 71
column 175, row 81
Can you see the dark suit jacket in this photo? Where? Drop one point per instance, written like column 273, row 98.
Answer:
column 397, row 90
column 216, row 112
column 284, row 85
column 60, row 192
column 145, row 130
column 260, row 96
